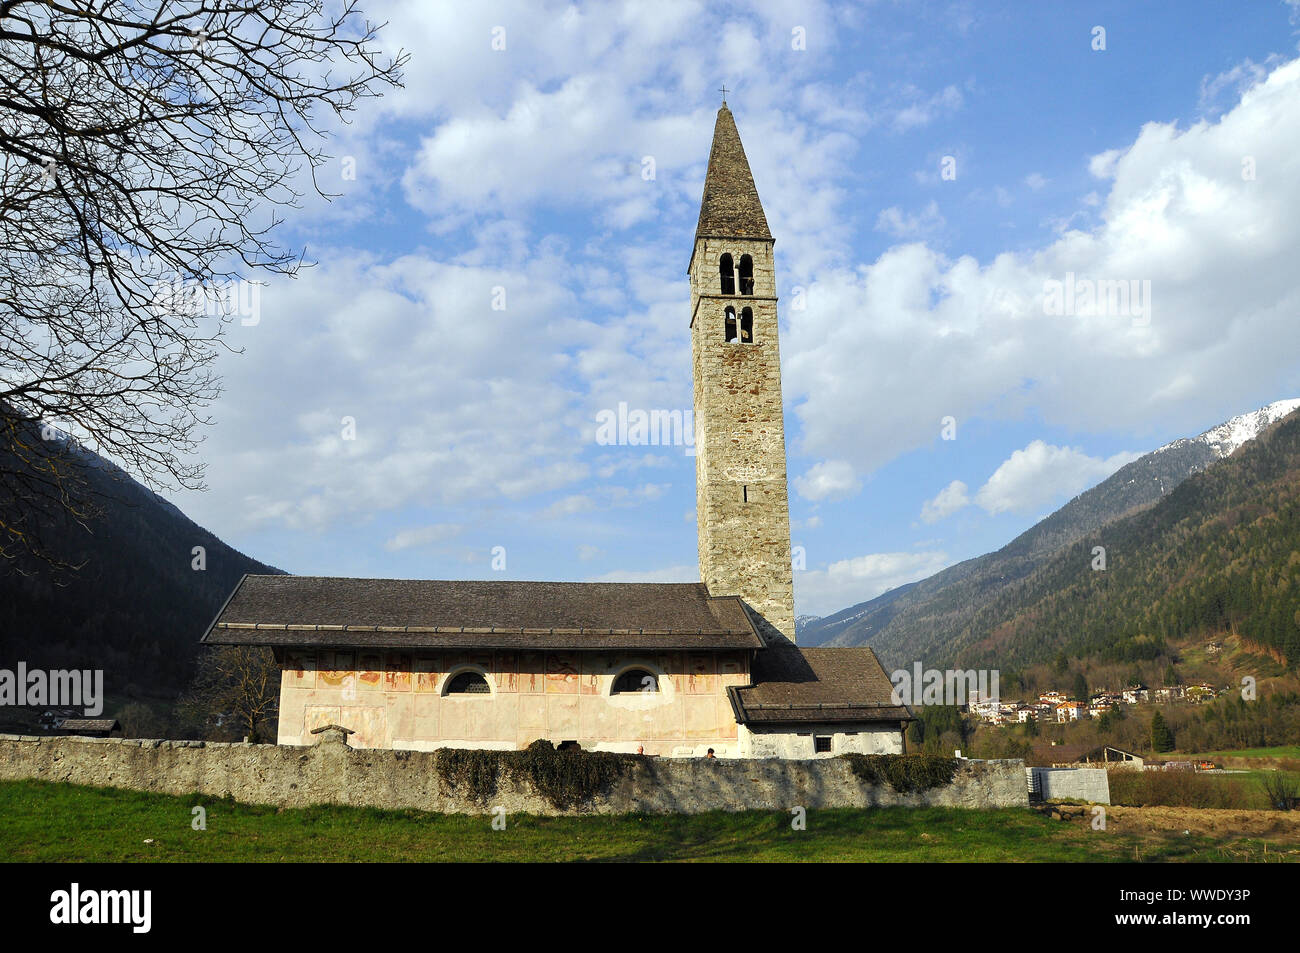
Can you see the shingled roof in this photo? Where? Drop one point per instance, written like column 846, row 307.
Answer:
column 322, row 611
column 89, row 726
column 794, row 685
column 730, row 207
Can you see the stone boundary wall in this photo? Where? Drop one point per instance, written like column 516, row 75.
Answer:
column 331, row 772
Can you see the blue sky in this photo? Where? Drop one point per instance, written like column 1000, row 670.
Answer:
column 920, row 296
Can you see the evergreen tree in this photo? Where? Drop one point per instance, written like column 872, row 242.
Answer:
column 916, row 732
column 1162, row 739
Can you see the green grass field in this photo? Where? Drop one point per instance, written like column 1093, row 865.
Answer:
column 1281, row 751
column 42, row 821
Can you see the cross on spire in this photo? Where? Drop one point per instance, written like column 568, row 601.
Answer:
column 724, row 94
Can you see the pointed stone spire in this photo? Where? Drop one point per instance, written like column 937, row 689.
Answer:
column 730, row 207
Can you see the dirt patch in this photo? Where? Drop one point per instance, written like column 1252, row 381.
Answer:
column 1274, row 825
column 1281, row 827
column 1190, row 833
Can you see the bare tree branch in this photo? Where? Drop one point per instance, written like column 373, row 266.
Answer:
column 143, row 153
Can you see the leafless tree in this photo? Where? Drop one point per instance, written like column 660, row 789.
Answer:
column 146, row 151
column 235, row 692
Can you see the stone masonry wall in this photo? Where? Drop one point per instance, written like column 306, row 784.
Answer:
column 334, row 773
column 742, row 505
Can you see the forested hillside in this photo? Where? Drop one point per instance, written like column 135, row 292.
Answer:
column 135, row 607
column 911, row 621
column 1221, row 553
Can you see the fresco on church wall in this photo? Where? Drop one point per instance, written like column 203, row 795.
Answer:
column 555, row 695
column 341, row 673
column 699, row 674
column 300, row 668
column 397, row 672
column 318, row 716
column 505, row 669
column 427, row 673
column 532, row 672
column 561, row 673
column 371, row 666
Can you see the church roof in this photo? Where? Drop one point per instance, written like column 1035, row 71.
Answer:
column 309, row 611
column 794, row 685
column 730, row 207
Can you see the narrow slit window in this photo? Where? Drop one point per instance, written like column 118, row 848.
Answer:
column 746, row 275
column 729, row 330
column 747, row 326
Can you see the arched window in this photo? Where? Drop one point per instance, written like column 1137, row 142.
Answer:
column 635, row 680
column 729, row 328
column 747, row 326
column 746, row 275
column 728, row 276
column 468, row 683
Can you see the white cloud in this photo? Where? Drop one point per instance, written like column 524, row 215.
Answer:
column 1103, row 164
column 570, row 505
column 1035, row 181
column 603, row 497
column 667, row 574
column 934, row 335
column 828, row 480
column 949, row 500
column 901, row 225
column 357, row 339
column 1234, row 81
column 421, row 536
column 925, row 109
column 1041, row 473
column 850, row 581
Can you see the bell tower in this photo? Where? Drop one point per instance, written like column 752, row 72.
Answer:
column 741, row 502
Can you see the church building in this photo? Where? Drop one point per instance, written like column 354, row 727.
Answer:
column 671, row 669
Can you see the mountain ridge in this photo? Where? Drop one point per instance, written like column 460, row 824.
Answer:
column 138, row 602
column 918, row 619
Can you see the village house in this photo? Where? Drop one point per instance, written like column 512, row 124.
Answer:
column 1135, row 694
column 668, row 669
column 1070, row 711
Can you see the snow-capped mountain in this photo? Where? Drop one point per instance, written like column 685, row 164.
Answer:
column 1231, row 434
column 929, row 614
column 801, row 621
